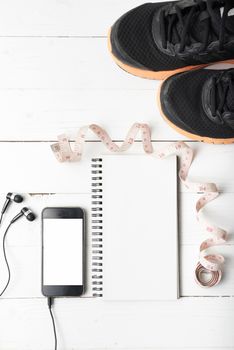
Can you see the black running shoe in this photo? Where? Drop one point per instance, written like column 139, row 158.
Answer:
column 200, row 104
column 157, row 40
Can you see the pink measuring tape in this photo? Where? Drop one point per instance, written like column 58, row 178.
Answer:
column 209, row 264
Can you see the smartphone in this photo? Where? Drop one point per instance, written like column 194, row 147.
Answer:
column 63, row 239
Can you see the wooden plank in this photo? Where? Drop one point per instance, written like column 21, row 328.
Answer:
column 32, row 167
column 58, row 63
column 191, row 323
column 60, row 18
column 44, row 114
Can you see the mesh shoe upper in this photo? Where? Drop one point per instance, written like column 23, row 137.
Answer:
column 134, row 36
column 181, row 102
column 137, row 38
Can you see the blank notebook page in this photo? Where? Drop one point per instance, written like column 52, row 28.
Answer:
column 140, row 245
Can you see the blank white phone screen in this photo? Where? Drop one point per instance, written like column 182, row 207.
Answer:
column 62, row 252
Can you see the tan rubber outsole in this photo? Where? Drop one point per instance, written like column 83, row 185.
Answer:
column 147, row 74
column 188, row 134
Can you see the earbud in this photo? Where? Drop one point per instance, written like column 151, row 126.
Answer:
column 11, row 197
column 27, row 213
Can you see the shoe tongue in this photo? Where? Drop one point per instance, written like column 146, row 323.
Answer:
column 196, row 29
column 217, row 14
column 230, row 21
column 198, row 26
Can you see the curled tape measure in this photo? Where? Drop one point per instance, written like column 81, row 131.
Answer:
column 208, row 271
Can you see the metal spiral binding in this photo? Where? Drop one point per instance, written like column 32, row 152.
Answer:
column 97, row 264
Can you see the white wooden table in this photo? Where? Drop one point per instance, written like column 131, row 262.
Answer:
column 57, row 75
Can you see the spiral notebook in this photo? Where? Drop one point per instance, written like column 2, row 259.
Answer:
column 134, row 228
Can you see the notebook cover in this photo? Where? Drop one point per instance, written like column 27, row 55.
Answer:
column 140, row 234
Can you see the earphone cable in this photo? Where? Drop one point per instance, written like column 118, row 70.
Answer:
column 50, row 302
column 1, row 216
column 5, row 258
column 30, row 216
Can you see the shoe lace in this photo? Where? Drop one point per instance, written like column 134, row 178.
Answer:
column 184, row 17
column 222, row 89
